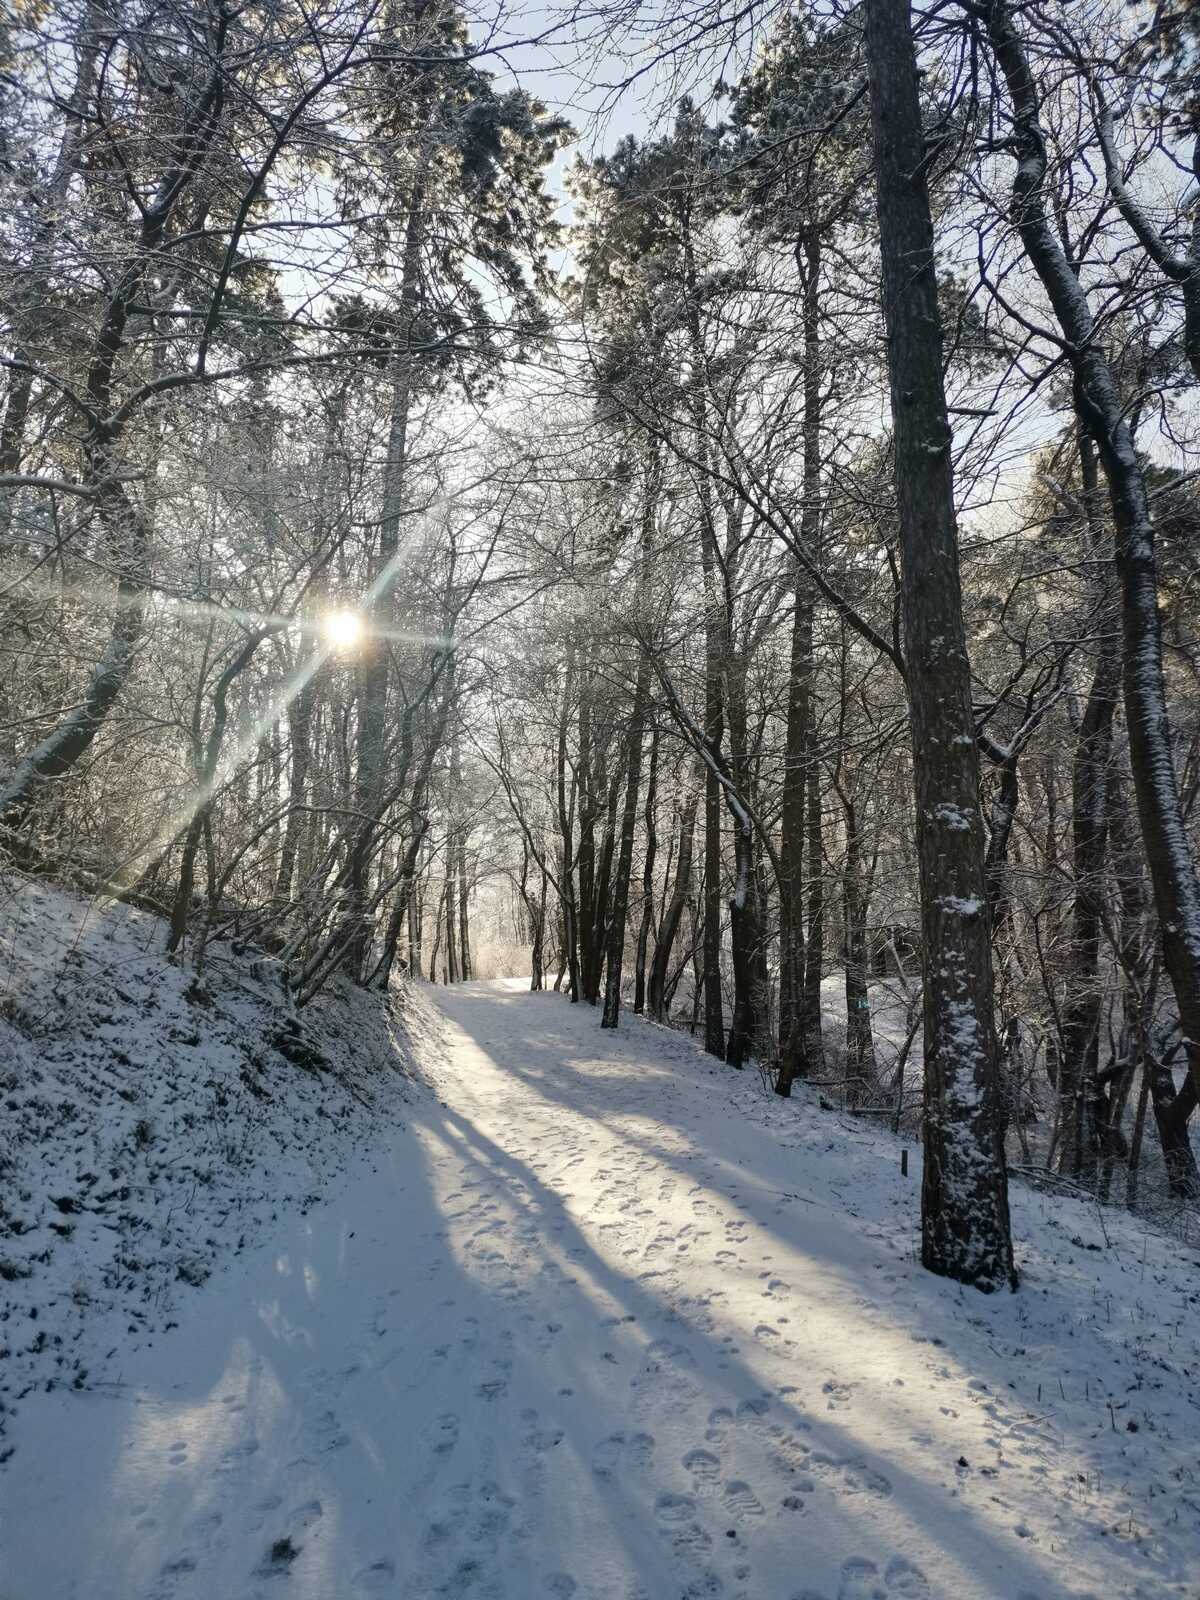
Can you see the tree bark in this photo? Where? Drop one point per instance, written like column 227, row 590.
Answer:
column 680, row 895
column 620, row 887
column 1098, row 400
column 371, row 741
column 1080, row 1138
column 964, row 1200
column 647, row 918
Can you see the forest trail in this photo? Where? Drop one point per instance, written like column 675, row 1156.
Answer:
column 606, row 1321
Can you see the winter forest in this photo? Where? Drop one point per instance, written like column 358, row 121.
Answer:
column 599, row 751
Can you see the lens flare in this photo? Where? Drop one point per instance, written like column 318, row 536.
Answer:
column 343, row 629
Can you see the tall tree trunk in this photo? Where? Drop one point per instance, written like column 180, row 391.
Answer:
column 402, row 906
column 451, row 922
column 416, row 920
column 299, row 711
column 714, row 1006
column 1102, row 411
column 861, row 1072
column 566, row 804
column 464, row 906
column 12, row 439
column 371, row 744
column 641, row 694
column 587, row 845
column 208, row 759
column 714, row 656
column 745, row 920
column 964, row 1199
column 796, row 1030
column 745, row 906
column 814, row 947
column 680, row 895
column 647, row 918
column 793, row 1029
column 620, row 887
column 1089, row 835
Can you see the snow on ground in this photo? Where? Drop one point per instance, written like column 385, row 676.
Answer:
column 605, row 1321
column 151, row 1125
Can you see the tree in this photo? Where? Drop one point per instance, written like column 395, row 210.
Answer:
column 964, row 1202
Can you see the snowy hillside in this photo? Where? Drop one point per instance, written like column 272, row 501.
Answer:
column 604, row 1321
column 154, row 1125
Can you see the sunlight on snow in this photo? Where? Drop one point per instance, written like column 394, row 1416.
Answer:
column 898, row 1407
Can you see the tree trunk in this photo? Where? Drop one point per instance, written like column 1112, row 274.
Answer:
column 566, row 876
column 964, row 1200
column 299, row 710
column 1090, row 812
column 814, row 947
column 587, row 844
column 1102, row 411
column 797, row 1034
column 647, row 919
column 620, row 887
column 860, row 1040
column 380, row 603
column 603, row 888
column 680, row 896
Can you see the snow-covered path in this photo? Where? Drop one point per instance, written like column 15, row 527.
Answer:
column 604, row 1321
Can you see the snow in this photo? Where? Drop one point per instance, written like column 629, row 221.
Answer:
column 153, row 1125
column 952, row 817
column 961, row 906
column 602, row 1319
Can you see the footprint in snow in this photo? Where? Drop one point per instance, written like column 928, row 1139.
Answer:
column 305, row 1516
column 543, row 1439
column 170, row 1575
column 233, row 1458
column 740, row 1499
column 328, row 1433
column 862, row 1580
column 702, row 1464
column 688, row 1539
column 441, row 1435
column 673, row 1508
column 768, row 1334
column 852, row 1474
column 204, row 1526
column 375, row 1577
column 704, row 1585
column 620, row 1451
column 666, row 1373
column 719, row 1421
column 468, row 1335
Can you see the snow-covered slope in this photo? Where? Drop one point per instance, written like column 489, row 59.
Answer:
column 152, row 1125
column 603, row 1321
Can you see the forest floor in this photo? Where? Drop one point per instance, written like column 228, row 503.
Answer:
column 604, row 1320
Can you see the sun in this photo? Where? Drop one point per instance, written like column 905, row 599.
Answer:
column 343, row 629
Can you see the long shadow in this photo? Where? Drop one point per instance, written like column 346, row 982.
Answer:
column 997, row 1379
column 348, row 1354
column 972, row 1544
